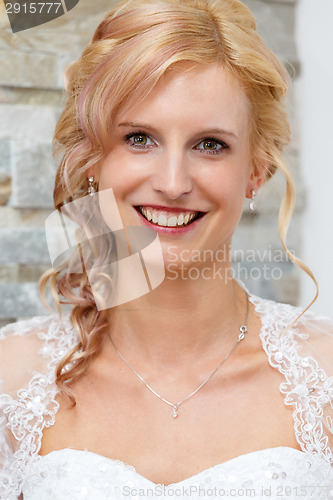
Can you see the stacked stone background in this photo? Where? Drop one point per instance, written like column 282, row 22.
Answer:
column 32, row 64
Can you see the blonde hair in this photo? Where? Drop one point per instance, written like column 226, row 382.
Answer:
column 136, row 43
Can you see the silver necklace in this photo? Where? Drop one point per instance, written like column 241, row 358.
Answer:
column 175, row 406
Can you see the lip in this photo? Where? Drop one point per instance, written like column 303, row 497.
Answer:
column 169, row 210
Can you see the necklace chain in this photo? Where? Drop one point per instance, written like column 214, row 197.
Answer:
column 175, row 406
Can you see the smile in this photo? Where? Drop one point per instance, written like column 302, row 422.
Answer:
column 169, row 218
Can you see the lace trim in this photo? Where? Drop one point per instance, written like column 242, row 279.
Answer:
column 306, row 386
column 35, row 406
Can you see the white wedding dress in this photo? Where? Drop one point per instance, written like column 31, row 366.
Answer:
column 30, row 352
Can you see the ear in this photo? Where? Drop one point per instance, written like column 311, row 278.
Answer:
column 256, row 179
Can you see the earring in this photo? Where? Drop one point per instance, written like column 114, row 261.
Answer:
column 252, row 205
column 91, row 187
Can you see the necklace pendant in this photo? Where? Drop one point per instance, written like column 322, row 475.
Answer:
column 175, row 412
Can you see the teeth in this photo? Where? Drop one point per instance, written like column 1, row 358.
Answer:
column 164, row 221
column 172, row 221
column 181, row 220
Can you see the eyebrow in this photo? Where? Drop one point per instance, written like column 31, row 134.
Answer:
column 204, row 132
column 136, row 125
column 220, row 131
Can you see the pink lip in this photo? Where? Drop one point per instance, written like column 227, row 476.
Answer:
column 168, row 230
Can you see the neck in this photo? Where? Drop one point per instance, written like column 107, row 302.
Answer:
column 180, row 319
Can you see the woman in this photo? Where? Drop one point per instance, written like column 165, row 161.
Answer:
column 174, row 116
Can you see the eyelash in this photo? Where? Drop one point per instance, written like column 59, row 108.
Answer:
column 223, row 145
column 129, row 136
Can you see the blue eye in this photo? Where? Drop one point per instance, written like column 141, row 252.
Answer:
column 211, row 146
column 139, row 140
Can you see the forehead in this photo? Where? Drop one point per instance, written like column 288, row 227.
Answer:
column 207, row 95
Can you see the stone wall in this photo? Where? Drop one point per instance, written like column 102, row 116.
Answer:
column 32, row 63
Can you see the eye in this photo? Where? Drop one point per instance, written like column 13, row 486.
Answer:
column 212, row 146
column 139, row 140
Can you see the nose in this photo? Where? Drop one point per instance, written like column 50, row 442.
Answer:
column 172, row 176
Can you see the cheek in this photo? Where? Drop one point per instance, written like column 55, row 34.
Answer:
column 116, row 173
column 227, row 187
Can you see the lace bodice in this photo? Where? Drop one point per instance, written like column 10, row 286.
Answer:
column 30, row 352
column 78, row 475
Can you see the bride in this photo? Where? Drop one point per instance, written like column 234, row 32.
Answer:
column 193, row 386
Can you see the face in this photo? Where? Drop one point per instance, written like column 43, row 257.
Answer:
column 179, row 162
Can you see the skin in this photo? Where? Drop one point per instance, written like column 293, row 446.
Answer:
column 176, row 335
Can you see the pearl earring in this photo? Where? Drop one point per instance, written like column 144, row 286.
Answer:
column 91, row 187
column 252, row 205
